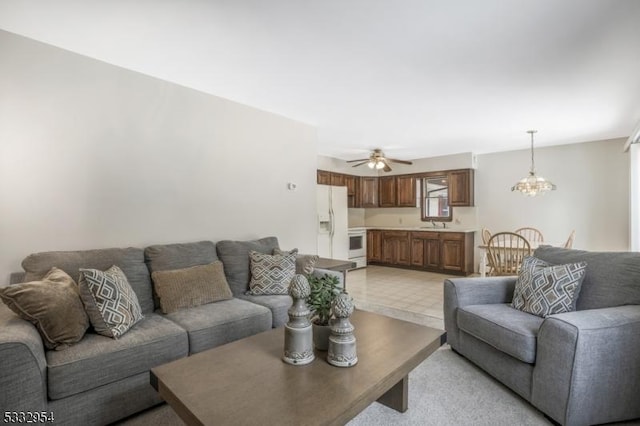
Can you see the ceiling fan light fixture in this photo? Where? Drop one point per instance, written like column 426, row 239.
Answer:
column 371, row 164
column 379, row 165
column 533, row 185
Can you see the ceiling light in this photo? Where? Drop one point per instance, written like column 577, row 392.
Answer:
column 533, row 185
column 371, row 164
column 379, row 165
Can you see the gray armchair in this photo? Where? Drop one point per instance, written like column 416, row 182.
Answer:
column 578, row 368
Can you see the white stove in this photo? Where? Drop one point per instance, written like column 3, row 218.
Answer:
column 358, row 246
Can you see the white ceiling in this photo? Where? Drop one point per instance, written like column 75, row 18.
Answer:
column 418, row 78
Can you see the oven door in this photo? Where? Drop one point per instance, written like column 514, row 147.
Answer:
column 357, row 245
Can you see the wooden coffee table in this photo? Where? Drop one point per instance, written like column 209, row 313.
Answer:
column 246, row 382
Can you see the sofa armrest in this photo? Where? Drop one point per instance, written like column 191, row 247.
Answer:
column 23, row 384
column 472, row 291
column 587, row 366
column 339, row 275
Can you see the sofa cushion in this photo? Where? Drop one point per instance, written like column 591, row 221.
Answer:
column 235, row 257
column 130, row 260
column 53, row 305
column 509, row 330
column 165, row 257
column 110, row 302
column 189, row 287
column 222, row 322
column 271, row 274
column 611, row 278
column 278, row 304
column 543, row 289
column 98, row 360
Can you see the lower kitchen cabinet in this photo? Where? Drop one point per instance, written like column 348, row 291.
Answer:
column 446, row 252
column 395, row 247
column 374, row 246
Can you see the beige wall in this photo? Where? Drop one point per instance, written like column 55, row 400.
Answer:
column 92, row 155
column 592, row 195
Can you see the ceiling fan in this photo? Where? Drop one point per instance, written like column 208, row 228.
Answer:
column 377, row 160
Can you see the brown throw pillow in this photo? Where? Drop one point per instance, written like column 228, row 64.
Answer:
column 53, row 305
column 109, row 300
column 304, row 262
column 189, row 287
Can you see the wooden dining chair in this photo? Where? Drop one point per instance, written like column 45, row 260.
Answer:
column 505, row 251
column 569, row 242
column 486, row 235
column 533, row 235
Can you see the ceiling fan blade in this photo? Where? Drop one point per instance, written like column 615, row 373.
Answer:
column 360, row 164
column 386, row 168
column 355, row 161
column 393, row 160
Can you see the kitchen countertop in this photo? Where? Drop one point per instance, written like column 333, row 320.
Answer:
column 411, row 228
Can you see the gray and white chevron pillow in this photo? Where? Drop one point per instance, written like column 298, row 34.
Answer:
column 544, row 289
column 110, row 302
column 271, row 274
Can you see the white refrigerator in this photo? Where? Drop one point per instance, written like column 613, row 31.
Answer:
column 332, row 221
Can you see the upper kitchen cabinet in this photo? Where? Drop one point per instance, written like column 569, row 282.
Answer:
column 397, row 191
column 461, row 188
column 387, row 191
column 368, row 192
column 406, row 191
column 337, row 179
column 324, row 177
column 353, row 190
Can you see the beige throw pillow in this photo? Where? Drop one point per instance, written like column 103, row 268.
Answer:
column 53, row 305
column 109, row 300
column 189, row 287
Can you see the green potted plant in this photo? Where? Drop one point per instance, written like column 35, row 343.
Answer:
column 323, row 290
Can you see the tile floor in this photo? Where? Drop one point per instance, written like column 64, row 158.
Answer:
column 401, row 293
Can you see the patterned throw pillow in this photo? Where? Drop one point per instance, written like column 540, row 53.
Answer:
column 189, row 287
column 271, row 274
column 109, row 300
column 304, row 262
column 53, row 305
column 543, row 289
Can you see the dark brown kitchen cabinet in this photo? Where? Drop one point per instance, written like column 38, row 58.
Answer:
column 453, row 251
column 324, row 177
column 461, row 187
column 445, row 252
column 374, row 245
column 387, row 191
column 425, row 249
column 406, row 191
column 395, row 248
column 368, row 192
column 353, row 190
column 337, row 179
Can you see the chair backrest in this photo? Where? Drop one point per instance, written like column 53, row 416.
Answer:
column 531, row 234
column 569, row 242
column 486, row 234
column 505, row 251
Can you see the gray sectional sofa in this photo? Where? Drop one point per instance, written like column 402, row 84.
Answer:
column 579, row 368
column 101, row 380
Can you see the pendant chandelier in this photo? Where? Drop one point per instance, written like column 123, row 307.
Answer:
column 533, row 185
